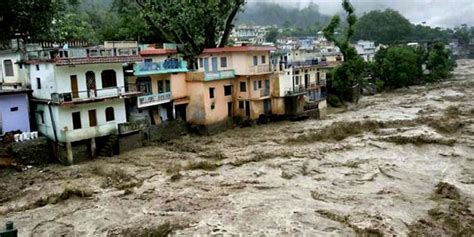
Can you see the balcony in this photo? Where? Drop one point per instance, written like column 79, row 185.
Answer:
column 218, row 75
column 167, row 66
column 260, row 69
column 153, row 99
column 90, row 95
column 67, row 135
column 76, row 53
column 301, row 89
column 264, row 92
column 311, row 62
column 135, row 126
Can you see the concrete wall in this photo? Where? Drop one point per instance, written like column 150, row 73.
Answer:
column 14, row 120
column 46, row 75
column 19, row 74
column 241, row 62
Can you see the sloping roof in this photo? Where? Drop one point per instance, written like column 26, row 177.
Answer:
column 234, row 49
column 94, row 60
column 150, row 52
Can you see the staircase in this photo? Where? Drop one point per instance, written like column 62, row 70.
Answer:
column 108, row 149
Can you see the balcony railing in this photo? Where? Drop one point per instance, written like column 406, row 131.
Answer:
column 130, row 127
column 80, row 53
column 311, row 62
column 223, row 74
column 264, row 92
column 300, row 89
column 260, row 69
column 83, row 96
column 73, row 135
column 167, row 66
column 154, row 99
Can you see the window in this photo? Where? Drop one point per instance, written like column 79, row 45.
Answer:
column 229, row 109
column 255, row 60
column 211, row 92
column 201, row 63
column 263, row 59
column 109, row 79
column 223, row 61
column 243, row 86
column 109, row 114
column 297, row 80
column 76, row 120
column 167, row 85
column 255, row 85
column 8, row 65
column 228, row 90
column 148, row 60
column 13, row 109
column 213, row 106
column 259, row 84
column 241, row 105
column 38, row 83
column 160, row 87
column 37, row 67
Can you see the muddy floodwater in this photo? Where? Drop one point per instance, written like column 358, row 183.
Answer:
column 398, row 163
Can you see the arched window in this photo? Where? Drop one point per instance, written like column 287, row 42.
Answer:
column 109, row 79
column 109, row 114
column 8, row 65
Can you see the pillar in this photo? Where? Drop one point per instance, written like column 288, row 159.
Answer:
column 70, row 160
column 93, row 148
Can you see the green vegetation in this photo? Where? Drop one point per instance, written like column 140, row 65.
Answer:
column 350, row 72
column 383, row 27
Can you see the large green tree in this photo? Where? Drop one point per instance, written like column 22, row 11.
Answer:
column 27, row 19
column 384, row 27
column 353, row 67
column 397, row 66
column 439, row 62
column 194, row 25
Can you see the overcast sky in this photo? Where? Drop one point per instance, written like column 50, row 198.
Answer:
column 444, row 13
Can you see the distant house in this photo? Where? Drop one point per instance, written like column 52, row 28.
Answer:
column 366, row 49
column 78, row 95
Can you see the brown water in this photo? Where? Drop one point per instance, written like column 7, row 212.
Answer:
column 370, row 170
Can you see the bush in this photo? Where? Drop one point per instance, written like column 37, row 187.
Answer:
column 379, row 84
column 334, row 101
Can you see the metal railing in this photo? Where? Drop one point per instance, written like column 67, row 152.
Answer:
column 223, row 74
column 264, row 92
column 76, row 96
column 153, row 99
column 260, row 68
column 80, row 53
column 310, row 62
column 134, row 126
column 167, row 66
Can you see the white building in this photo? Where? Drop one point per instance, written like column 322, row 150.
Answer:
column 249, row 34
column 79, row 93
column 366, row 49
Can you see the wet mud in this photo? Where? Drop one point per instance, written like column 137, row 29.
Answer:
column 397, row 163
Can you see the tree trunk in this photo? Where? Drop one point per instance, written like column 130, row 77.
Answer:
column 228, row 25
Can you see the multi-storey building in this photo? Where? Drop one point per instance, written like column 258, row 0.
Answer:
column 161, row 78
column 230, row 82
column 366, row 49
column 79, row 94
column 248, row 34
column 301, row 84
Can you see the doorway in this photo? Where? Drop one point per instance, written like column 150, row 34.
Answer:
column 92, row 118
column 214, row 64
column 247, row 108
column 74, row 87
column 90, row 82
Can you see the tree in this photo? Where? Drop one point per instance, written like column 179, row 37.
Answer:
column 272, row 35
column 27, row 18
column 439, row 62
column 351, row 71
column 383, row 27
column 194, row 25
column 397, row 66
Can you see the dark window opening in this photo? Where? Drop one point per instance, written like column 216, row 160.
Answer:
column 8, row 65
column 241, row 105
column 109, row 114
column 243, row 86
column 259, row 84
column 229, row 109
column 92, row 118
column 109, row 79
column 13, row 109
column 76, row 120
column 213, row 106
column 41, row 115
column 38, row 83
column 37, row 67
column 211, row 92
column 168, row 85
column 228, row 90
column 161, row 88
column 255, row 60
column 223, row 62
column 263, row 60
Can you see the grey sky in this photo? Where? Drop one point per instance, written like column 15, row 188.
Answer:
column 444, row 13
